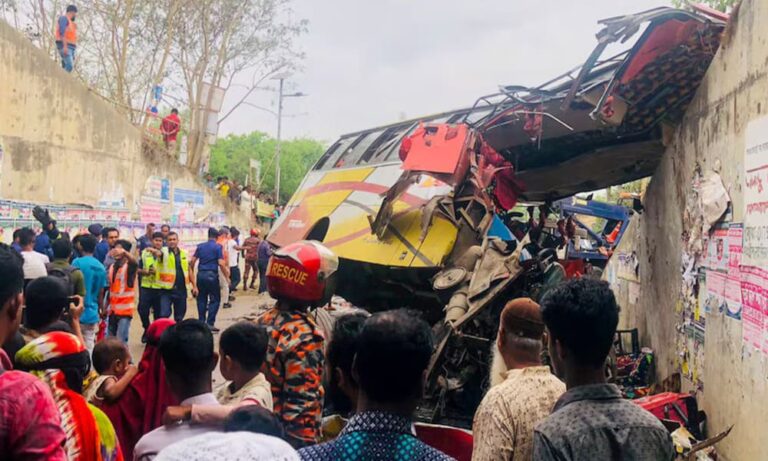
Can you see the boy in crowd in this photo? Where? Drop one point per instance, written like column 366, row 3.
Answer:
column 242, row 348
column 95, row 280
column 112, row 361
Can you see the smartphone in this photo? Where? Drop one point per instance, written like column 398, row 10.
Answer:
column 74, row 300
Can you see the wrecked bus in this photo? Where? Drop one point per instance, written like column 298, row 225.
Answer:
column 407, row 206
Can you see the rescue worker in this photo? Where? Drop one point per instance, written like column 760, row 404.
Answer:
column 149, row 291
column 66, row 38
column 299, row 276
column 122, row 278
column 251, row 245
column 173, row 277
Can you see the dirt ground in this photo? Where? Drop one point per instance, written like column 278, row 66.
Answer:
column 246, row 306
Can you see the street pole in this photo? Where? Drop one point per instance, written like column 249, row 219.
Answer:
column 277, row 152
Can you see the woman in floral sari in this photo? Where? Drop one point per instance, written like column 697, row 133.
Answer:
column 61, row 361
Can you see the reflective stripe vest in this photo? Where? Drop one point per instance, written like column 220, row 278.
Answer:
column 70, row 33
column 122, row 298
column 148, row 262
column 166, row 269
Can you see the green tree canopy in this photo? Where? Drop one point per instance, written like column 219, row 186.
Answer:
column 722, row 5
column 231, row 157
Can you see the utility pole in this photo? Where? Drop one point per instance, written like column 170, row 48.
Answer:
column 277, row 149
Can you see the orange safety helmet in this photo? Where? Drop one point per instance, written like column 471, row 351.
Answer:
column 255, row 232
column 303, row 272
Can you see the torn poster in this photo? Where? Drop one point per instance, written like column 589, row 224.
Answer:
column 715, row 292
column 755, row 247
column 733, row 296
column 754, row 294
column 718, row 249
column 735, row 238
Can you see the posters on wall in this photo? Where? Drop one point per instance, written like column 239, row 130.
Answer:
column 157, row 189
column 755, row 248
column 150, row 212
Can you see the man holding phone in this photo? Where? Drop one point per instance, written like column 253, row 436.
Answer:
column 49, row 307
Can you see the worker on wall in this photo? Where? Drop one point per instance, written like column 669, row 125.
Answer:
column 66, row 38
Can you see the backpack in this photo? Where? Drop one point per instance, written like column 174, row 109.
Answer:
column 63, row 273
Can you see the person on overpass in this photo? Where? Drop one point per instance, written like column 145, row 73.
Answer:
column 66, row 38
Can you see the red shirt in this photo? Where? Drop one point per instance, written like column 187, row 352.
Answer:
column 170, row 127
column 30, row 425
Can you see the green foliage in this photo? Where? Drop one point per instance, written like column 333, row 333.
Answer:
column 721, row 5
column 231, row 156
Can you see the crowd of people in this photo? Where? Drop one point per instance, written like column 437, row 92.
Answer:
column 83, row 398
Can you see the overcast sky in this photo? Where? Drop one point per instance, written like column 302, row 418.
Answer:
column 370, row 63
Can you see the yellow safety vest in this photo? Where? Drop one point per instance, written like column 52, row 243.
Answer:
column 148, row 262
column 166, row 269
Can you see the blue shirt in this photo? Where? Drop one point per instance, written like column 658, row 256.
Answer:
column 265, row 251
column 144, row 243
column 16, row 247
column 43, row 245
column 209, row 254
column 63, row 24
column 102, row 248
column 374, row 436
column 95, row 279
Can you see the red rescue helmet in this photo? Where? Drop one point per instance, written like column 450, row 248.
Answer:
column 255, row 232
column 303, row 272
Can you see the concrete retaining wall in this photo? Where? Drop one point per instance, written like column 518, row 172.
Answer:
column 712, row 137
column 63, row 144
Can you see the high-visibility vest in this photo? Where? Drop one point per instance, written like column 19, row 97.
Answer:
column 166, row 269
column 70, row 33
column 122, row 298
column 148, row 262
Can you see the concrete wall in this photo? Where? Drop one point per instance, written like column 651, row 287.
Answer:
column 64, row 144
column 712, row 136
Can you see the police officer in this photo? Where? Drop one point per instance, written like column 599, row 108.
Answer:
column 149, row 290
column 211, row 259
column 173, row 277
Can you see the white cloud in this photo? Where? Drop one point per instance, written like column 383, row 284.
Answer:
column 370, row 62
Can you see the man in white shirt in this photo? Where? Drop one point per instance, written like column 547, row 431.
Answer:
column 233, row 252
column 189, row 359
column 34, row 262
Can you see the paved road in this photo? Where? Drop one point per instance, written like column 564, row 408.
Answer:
column 246, row 306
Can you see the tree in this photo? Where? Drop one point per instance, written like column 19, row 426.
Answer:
column 220, row 39
column 720, row 5
column 231, row 157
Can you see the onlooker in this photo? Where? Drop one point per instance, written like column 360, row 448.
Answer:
column 16, row 238
column 107, row 243
column 233, row 250
column 141, row 407
column 303, row 275
column 393, row 352
column 34, row 262
column 232, row 446
column 48, row 234
column 112, row 361
column 591, row 420
column 211, row 257
column 61, row 268
column 504, row 421
column 187, row 351
column 264, row 253
column 122, row 278
column 246, row 200
column 61, row 361
column 66, row 38
column 243, row 347
column 169, row 128
column 222, row 185
column 341, row 348
column 254, row 418
column 251, row 245
column 174, row 272
column 223, row 241
column 145, row 241
column 26, row 404
column 165, row 229
column 95, row 277
column 149, row 291
column 47, row 298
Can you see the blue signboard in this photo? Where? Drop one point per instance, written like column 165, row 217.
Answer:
column 188, row 196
